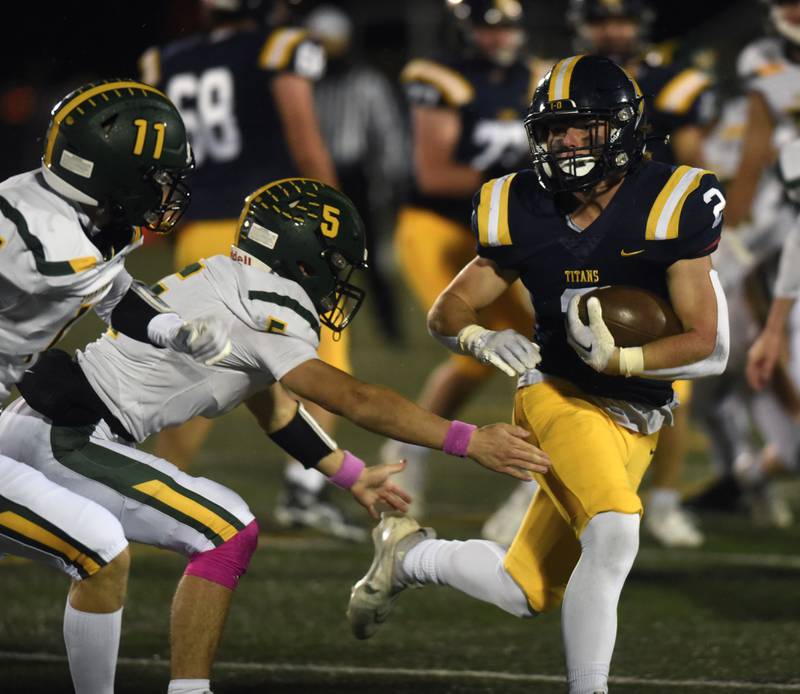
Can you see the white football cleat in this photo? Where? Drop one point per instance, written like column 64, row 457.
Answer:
column 502, row 525
column 672, row 527
column 373, row 596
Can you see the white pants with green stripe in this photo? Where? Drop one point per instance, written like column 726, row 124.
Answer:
column 156, row 503
column 42, row 520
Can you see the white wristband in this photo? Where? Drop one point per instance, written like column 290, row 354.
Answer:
column 631, row 361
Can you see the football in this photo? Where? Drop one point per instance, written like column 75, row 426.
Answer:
column 634, row 316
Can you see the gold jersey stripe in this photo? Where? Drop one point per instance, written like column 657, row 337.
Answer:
column 681, row 91
column 278, row 48
column 664, row 218
column 560, row 78
column 493, row 229
column 37, row 533
column 454, row 87
column 81, row 98
column 169, row 497
column 81, row 264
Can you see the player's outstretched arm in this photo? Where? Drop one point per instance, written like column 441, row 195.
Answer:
column 766, row 350
column 453, row 320
column 500, row 447
column 287, row 423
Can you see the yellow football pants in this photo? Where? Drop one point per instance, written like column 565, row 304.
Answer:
column 431, row 250
column 597, row 466
column 202, row 239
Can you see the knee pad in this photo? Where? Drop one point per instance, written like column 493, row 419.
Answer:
column 227, row 563
column 611, row 540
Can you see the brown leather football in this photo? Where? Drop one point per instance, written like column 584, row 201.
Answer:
column 634, row 316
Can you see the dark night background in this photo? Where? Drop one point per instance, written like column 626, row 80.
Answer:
column 48, row 50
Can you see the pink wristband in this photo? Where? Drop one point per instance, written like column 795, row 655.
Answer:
column 457, row 438
column 349, row 471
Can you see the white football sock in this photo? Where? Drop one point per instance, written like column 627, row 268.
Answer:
column 609, row 545
column 474, row 567
column 92, row 641
column 189, row 687
column 310, row 479
column 663, row 499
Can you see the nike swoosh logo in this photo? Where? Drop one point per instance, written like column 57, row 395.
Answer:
column 625, row 253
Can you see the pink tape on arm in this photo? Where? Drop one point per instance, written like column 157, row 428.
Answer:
column 456, row 441
column 227, row 563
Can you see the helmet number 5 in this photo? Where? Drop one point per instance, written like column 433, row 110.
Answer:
column 141, row 134
column 330, row 227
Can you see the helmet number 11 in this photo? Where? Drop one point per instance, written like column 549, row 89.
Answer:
column 141, row 135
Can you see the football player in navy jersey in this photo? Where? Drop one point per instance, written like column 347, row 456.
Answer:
column 680, row 103
column 245, row 91
column 592, row 212
column 466, row 114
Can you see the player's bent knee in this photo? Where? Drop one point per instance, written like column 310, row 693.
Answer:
column 227, row 563
column 612, row 541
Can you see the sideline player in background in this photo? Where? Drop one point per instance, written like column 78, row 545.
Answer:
column 366, row 134
column 246, row 94
column 467, row 127
column 289, row 274
column 591, row 213
column 115, row 159
column 680, row 104
column 759, row 222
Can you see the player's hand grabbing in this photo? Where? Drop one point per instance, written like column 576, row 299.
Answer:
column 512, row 353
column 594, row 343
column 208, row 340
column 762, row 357
column 503, row 448
column 375, row 491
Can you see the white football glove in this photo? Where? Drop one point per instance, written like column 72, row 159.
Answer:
column 594, row 343
column 206, row 340
column 512, row 353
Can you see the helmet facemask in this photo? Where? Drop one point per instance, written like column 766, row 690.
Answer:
column 175, row 198
column 338, row 308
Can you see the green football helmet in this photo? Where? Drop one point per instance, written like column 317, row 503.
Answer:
column 311, row 233
column 121, row 146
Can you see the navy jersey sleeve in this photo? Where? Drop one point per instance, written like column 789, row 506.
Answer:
column 291, row 50
column 685, row 98
column 436, row 85
column 686, row 218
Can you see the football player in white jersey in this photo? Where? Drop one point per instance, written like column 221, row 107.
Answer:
column 773, row 93
column 114, row 161
column 765, row 352
column 299, row 241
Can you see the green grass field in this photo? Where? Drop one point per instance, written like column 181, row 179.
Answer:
column 722, row 619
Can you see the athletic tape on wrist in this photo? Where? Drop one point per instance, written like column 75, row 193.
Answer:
column 457, row 438
column 631, row 361
column 349, row 472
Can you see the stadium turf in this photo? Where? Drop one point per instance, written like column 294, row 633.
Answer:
column 728, row 615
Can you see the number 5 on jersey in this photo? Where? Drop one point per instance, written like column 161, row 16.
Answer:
column 141, row 134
